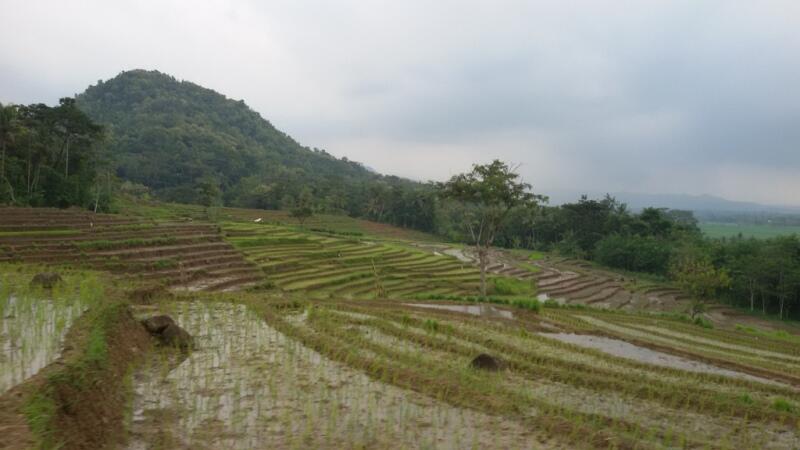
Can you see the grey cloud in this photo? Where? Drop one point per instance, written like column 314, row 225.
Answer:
column 670, row 96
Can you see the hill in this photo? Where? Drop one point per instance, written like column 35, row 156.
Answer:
column 188, row 143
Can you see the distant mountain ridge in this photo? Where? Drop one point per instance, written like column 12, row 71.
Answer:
column 173, row 135
column 697, row 203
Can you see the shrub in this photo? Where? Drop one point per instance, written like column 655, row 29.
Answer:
column 703, row 322
column 781, row 404
column 431, row 325
column 511, row 286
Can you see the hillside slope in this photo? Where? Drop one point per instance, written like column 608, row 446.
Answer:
column 174, row 136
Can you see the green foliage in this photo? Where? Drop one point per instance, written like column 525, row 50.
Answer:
column 758, row 231
column 700, row 279
column 106, row 244
column 781, row 404
column 260, row 242
column 50, row 156
column 431, row 325
column 746, row 399
column 487, row 194
column 40, row 411
column 703, row 322
column 304, row 208
column 511, row 286
column 184, row 143
column 634, row 253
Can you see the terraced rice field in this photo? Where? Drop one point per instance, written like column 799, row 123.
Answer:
column 331, row 265
column 181, row 255
column 335, row 349
column 382, row 374
column 576, row 282
column 34, row 323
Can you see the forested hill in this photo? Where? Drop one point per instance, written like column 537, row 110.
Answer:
column 178, row 138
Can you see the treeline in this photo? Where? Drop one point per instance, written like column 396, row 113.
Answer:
column 51, row 156
column 760, row 275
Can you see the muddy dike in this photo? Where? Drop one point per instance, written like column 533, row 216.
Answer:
column 78, row 401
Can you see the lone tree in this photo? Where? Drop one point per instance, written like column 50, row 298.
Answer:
column 304, row 207
column 701, row 280
column 487, row 193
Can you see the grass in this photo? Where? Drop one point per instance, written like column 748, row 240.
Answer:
column 512, row 286
column 325, row 264
column 724, row 230
column 38, row 233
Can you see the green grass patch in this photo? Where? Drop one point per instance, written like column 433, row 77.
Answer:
column 726, row 230
column 124, row 243
column 512, row 286
column 39, row 233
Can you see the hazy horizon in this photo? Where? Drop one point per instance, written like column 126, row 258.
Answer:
column 642, row 97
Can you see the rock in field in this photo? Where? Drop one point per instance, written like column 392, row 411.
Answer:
column 168, row 332
column 46, row 280
column 485, row 362
column 175, row 336
column 156, row 324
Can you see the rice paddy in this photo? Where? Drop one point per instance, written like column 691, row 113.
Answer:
column 272, row 373
column 336, row 266
column 359, row 341
column 35, row 322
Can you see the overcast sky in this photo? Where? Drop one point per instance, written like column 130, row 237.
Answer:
column 640, row 96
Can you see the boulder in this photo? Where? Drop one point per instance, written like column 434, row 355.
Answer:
column 156, row 324
column 485, row 362
column 175, row 336
column 46, row 280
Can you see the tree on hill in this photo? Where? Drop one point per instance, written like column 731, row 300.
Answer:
column 209, row 195
column 698, row 277
column 49, row 156
column 487, row 193
column 304, row 208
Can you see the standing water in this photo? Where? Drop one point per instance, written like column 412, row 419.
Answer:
column 246, row 385
column 32, row 333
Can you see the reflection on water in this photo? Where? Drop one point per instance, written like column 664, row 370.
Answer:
column 31, row 335
column 475, row 310
column 624, row 349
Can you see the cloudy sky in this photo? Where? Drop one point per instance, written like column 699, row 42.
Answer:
column 639, row 96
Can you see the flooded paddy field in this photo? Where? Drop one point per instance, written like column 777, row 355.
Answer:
column 35, row 322
column 246, row 385
column 384, row 374
column 32, row 334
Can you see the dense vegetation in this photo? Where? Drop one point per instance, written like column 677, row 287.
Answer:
column 189, row 144
column 180, row 142
column 761, row 274
column 50, row 156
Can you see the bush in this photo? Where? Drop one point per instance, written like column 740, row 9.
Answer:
column 431, row 325
column 511, row 286
column 703, row 322
column 781, row 404
column 634, row 253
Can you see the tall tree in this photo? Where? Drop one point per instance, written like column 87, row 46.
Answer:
column 488, row 193
column 701, row 280
column 8, row 125
column 304, row 208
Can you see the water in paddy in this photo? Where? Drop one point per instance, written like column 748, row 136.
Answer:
column 32, row 334
column 624, row 349
column 475, row 310
column 248, row 386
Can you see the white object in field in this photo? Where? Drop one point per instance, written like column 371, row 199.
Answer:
column 257, row 220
